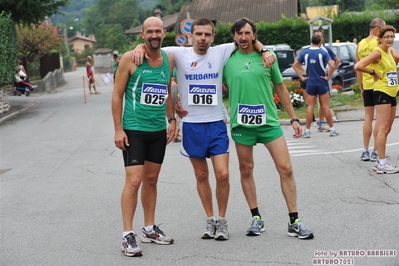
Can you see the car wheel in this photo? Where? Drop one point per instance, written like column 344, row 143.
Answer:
column 337, row 81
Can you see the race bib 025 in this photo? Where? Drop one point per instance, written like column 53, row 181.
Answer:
column 153, row 94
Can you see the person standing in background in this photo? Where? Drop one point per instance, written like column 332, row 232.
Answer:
column 90, row 74
column 316, row 77
column 366, row 85
column 116, row 63
column 321, row 125
column 381, row 65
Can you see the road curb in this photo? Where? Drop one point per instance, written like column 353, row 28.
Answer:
column 12, row 114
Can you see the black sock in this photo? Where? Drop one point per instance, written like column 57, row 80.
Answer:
column 255, row 212
column 293, row 217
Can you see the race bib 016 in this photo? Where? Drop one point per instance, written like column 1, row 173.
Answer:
column 153, row 94
column 251, row 115
column 202, row 95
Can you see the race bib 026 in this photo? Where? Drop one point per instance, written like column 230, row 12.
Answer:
column 202, row 95
column 153, row 94
column 251, row 115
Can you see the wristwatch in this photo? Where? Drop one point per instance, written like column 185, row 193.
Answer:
column 293, row 120
column 372, row 73
column 264, row 50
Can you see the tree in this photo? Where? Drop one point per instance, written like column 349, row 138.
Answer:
column 117, row 39
column 123, row 12
column 387, row 4
column 31, row 11
column 34, row 41
column 169, row 7
column 108, row 18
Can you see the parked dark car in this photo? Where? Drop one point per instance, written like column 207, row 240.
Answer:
column 285, row 55
column 344, row 74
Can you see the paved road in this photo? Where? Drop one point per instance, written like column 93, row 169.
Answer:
column 61, row 178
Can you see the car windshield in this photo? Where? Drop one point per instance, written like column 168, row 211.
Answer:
column 396, row 44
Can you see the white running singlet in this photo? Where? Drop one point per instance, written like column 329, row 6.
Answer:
column 199, row 79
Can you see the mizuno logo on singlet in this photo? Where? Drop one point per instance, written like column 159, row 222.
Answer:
column 202, row 76
column 154, row 90
column 247, row 110
column 202, row 90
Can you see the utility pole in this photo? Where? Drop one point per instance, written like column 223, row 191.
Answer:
column 66, row 39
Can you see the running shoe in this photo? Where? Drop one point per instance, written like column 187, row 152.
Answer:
column 387, row 169
column 299, row 230
column 157, row 236
column 221, row 230
column 91, row 92
column 333, row 133
column 373, row 157
column 257, row 226
column 323, row 127
column 365, row 156
column 130, row 247
column 210, row 229
column 306, row 134
column 375, row 167
column 378, row 162
column 97, row 92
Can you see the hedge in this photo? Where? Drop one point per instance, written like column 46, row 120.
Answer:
column 9, row 48
column 295, row 32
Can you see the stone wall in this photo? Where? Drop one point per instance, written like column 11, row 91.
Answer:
column 4, row 104
column 51, row 81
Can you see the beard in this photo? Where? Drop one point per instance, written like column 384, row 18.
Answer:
column 155, row 46
column 244, row 44
column 203, row 47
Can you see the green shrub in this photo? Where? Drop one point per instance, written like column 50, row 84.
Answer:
column 8, row 51
column 356, row 88
column 67, row 62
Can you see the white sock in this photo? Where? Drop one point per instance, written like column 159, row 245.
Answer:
column 307, row 130
column 125, row 233
column 365, row 149
column 382, row 161
column 211, row 218
column 332, row 129
column 149, row 228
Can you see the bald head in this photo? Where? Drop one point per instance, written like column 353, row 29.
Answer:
column 152, row 21
column 153, row 33
column 377, row 22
